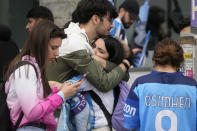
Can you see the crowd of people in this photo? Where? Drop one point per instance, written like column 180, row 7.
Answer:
column 47, row 75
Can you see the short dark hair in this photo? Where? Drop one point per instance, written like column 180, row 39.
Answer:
column 40, row 12
column 184, row 23
column 156, row 17
column 168, row 52
column 132, row 7
column 87, row 8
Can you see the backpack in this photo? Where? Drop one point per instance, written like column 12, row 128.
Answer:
column 116, row 119
column 117, row 116
column 5, row 122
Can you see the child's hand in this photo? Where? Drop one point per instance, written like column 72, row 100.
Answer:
column 69, row 89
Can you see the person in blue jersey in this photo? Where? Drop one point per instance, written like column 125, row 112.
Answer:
column 165, row 99
column 128, row 13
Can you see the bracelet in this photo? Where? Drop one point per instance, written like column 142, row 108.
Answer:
column 60, row 93
column 126, row 65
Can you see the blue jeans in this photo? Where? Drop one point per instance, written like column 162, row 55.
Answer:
column 30, row 128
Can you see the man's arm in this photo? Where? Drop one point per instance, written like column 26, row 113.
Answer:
column 82, row 62
column 108, row 66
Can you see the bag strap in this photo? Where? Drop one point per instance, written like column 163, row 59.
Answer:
column 21, row 63
column 19, row 120
column 98, row 101
column 116, row 94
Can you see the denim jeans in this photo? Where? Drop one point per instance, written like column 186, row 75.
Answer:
column 30, row 128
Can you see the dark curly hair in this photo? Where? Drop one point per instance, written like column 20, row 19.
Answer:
column 87, row 8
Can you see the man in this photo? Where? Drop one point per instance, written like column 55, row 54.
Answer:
column 128, row 13
column 94, row 18
column 36, row 14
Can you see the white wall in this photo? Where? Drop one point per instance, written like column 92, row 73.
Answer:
column 62, row 9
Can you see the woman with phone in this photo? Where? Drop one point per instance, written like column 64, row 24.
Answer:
column 29, row 95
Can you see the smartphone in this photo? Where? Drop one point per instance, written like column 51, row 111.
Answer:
column 83, row 76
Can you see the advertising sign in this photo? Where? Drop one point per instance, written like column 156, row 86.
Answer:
column 188, row 45
column 188, row 60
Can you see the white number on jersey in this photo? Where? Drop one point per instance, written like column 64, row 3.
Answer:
column 171, row 115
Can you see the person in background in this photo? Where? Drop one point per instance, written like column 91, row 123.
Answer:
column 185, row 25
column 165, row 99
column 140, row 27
column 128, row 14
column 29, row 95
column 141, row 36
column 112, row 2
column 36, row 14
column 156, row 19
column 8, row 48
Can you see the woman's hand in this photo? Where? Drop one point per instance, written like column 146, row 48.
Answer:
column 69, row 89
column 55, row 84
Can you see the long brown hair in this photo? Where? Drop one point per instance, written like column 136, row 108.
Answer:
column 37, row 46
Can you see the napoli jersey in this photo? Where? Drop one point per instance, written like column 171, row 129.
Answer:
column 161, row 101
column 118, row 30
